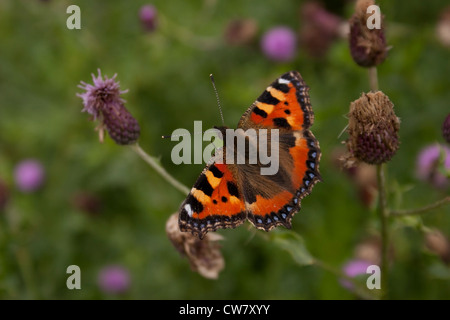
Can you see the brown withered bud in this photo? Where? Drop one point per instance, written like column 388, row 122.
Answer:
column 373, row 129
column 204, row 255
column 4, row 194
column 438, row 243
column 87, row 202
column 446, row 128
column 319, row 28
column 241, row 32
column 443, row 27
column 367, row 42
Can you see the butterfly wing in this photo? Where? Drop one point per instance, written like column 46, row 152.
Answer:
column 215, row 201
column 284, row 105
column 272, row 200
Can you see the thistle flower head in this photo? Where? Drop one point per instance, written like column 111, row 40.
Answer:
column 367, row 46
column 114, row 279
column 102, row 100
column 279, row 44
column 29, row 175
column 148, row 16
column 104, row 91
column 373, row 129
column 204, row 255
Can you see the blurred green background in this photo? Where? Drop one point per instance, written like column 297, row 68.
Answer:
column 167, row 74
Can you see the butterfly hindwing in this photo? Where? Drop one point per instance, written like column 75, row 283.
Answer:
column 278, row 196
column 215, row 201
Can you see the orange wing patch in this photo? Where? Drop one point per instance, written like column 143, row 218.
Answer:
column 214, row 202
column 285, row 104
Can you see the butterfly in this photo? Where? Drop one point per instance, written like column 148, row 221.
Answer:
column 226, row 194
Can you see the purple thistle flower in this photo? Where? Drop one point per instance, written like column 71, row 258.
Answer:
column 103, row 92
column 114, row 279
column 427, row 167
column 147, row 15
column 279, row 44
column 29, row 175
column 352, row 269
column 102, row 100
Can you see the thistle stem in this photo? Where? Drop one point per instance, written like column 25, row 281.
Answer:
column 373, row 78
column 153, row 162
column 383, row 215
column 422, row 210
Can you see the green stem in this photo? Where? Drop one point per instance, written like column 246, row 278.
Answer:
column 383, row 215
column 153, row 162
column 184, row 35
column 26, row 268
column 422, row 210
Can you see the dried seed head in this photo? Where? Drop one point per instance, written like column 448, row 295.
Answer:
column 103, row 101
column 372, row 128
column 204, row 255
column 367, row 46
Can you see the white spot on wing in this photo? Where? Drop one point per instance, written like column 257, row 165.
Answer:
column 283, row 81
column 188, row 209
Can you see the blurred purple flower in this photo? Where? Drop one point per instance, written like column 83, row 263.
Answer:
column 114, row 279
column 279, row 44
column 427, row 167
column 352, row 269
column 147, row 15
column 29, row 175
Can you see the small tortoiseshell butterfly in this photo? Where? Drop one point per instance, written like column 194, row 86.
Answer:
column 225, row 195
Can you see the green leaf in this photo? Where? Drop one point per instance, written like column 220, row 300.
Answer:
column 294, row 244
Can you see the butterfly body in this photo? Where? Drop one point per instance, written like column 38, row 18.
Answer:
column 229, row 192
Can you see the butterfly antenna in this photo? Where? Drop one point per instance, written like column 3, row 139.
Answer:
column 217, row 97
